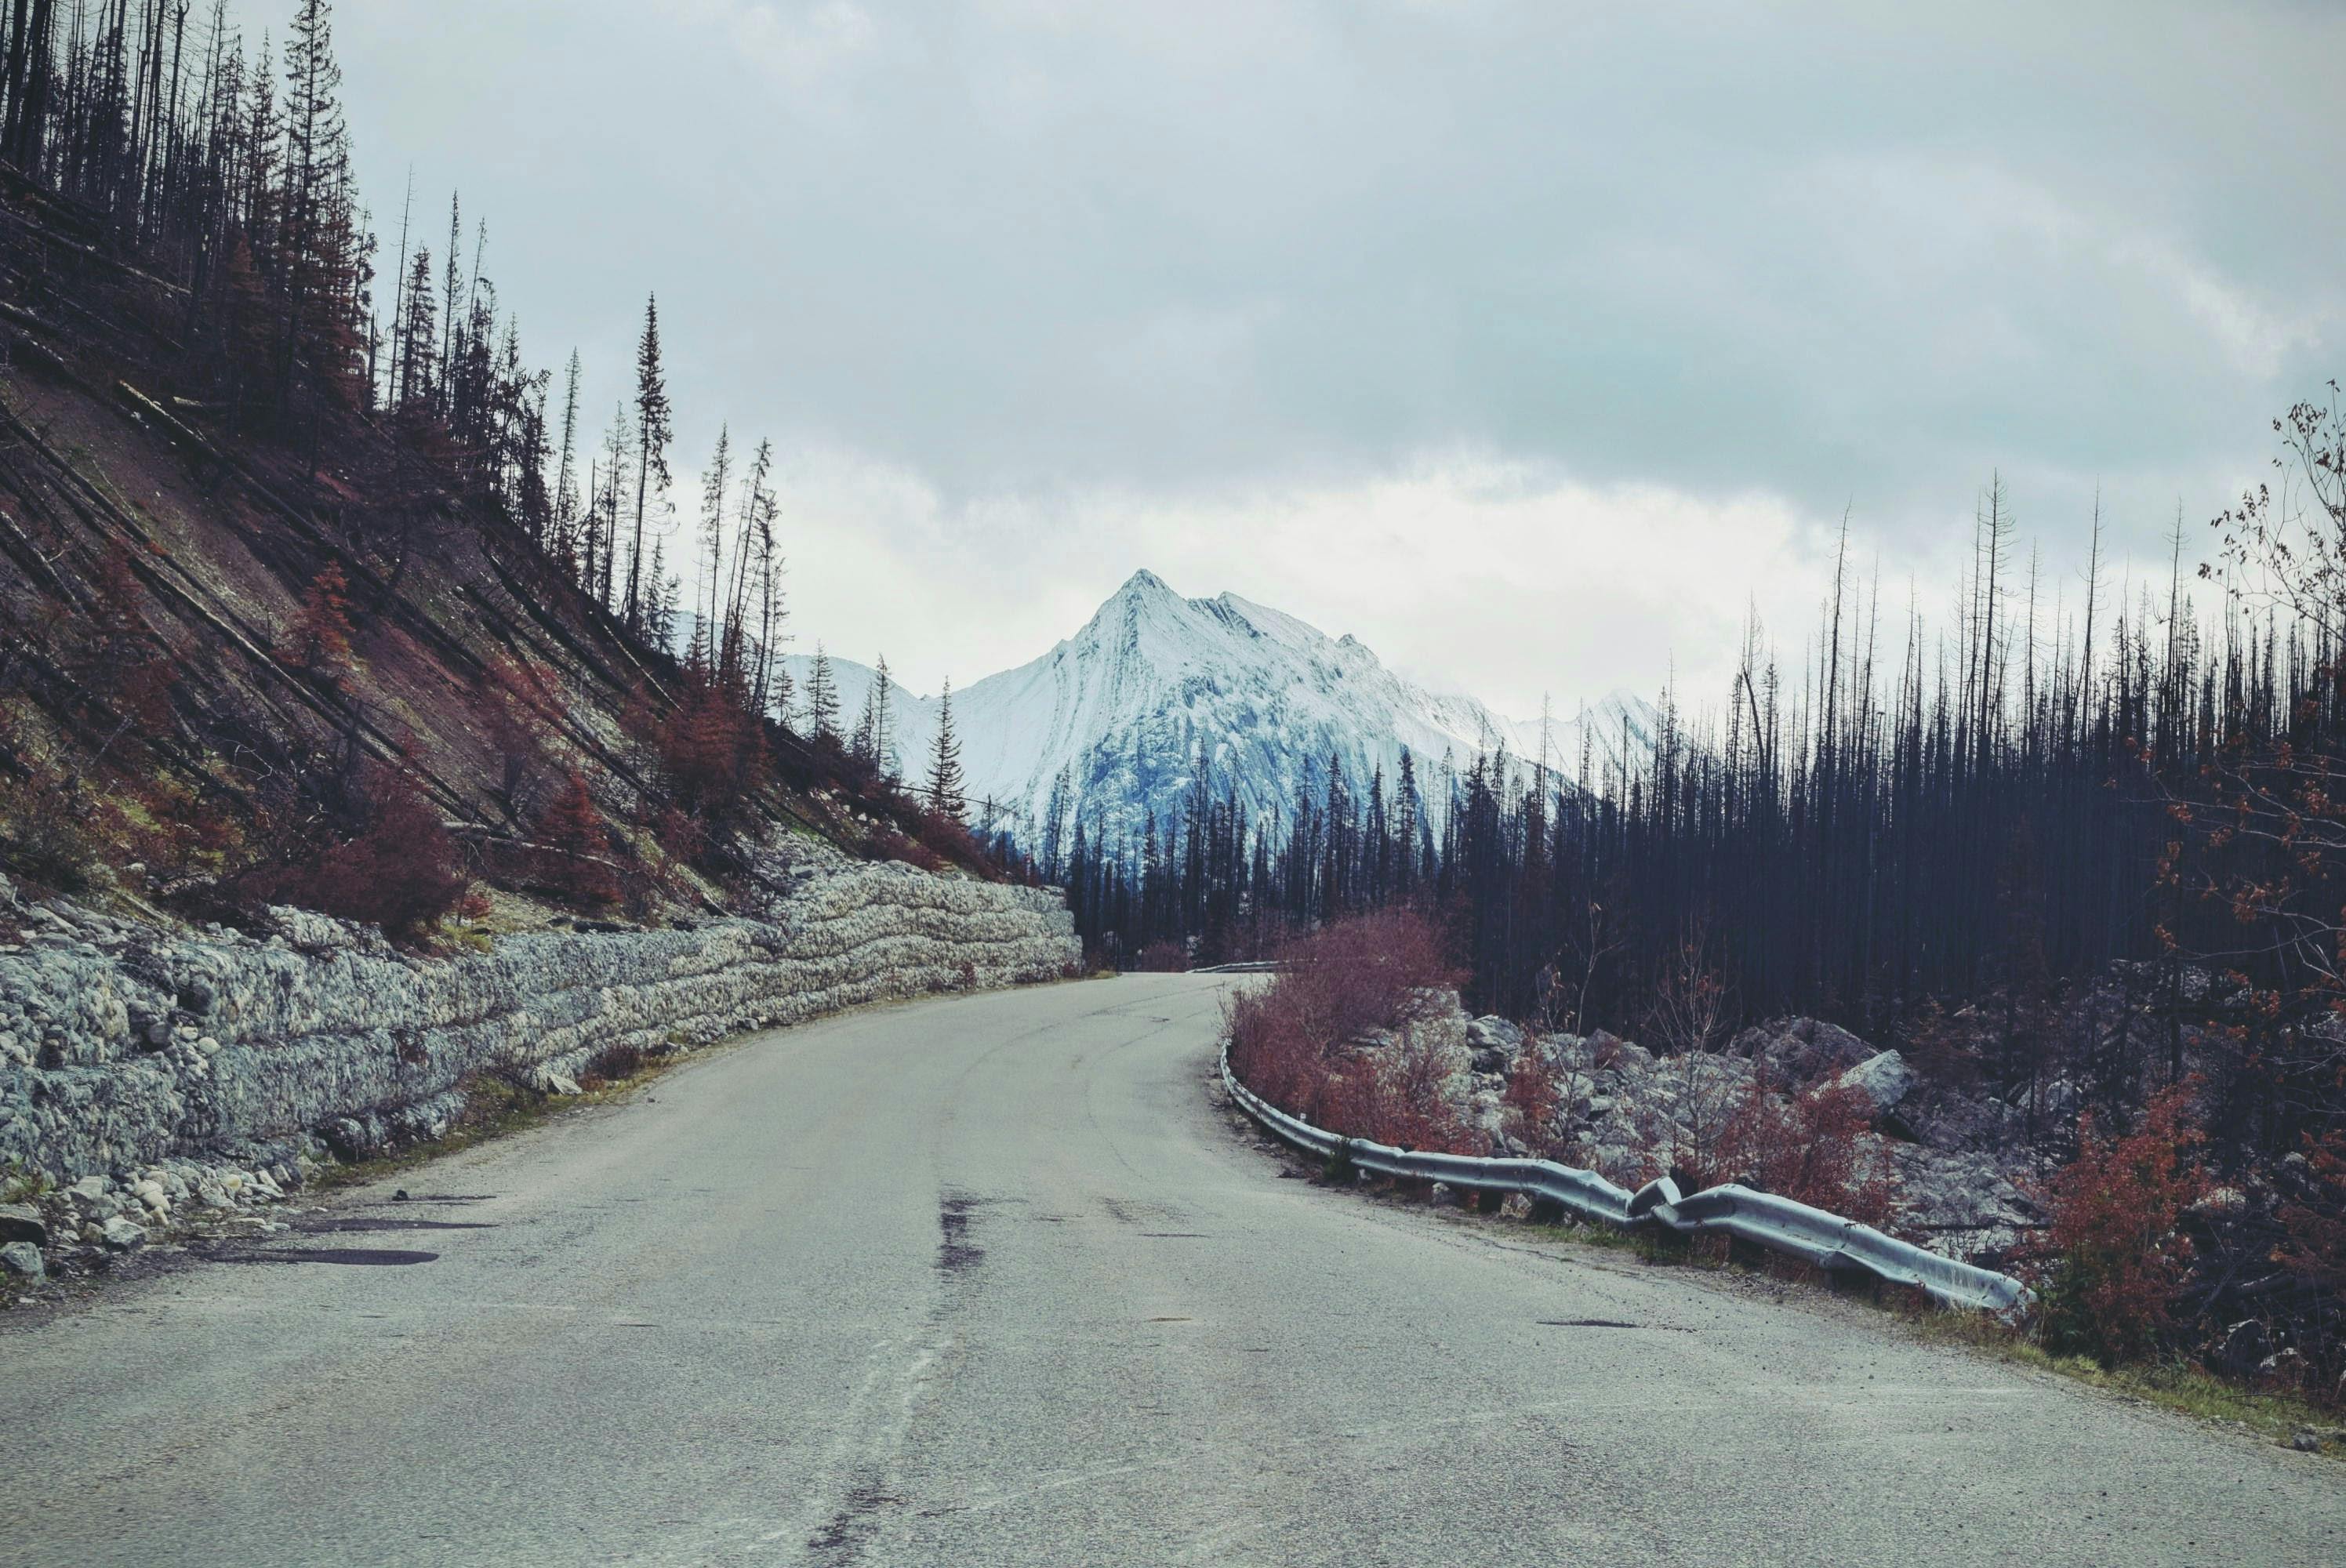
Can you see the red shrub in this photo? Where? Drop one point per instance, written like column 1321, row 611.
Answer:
column 399, row 871
column 1814, row 1148
column 2116, row 1261
column 318, row 640
column 1532, row 1102
column 1165, row 957
column 1296, row 1041
column 707, row 745
column 573, row 829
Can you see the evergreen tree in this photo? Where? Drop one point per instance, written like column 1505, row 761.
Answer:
column 822, row 699
column 883, row 730
column 563, row 539
column 944, row 762
column 711, row 602
column 653, row 432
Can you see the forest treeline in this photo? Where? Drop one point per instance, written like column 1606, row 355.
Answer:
column 2128, row 812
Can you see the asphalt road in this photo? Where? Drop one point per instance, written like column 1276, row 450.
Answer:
column 996, row 1280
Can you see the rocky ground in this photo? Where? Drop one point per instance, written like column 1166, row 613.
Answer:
column 1962, row 1163
column 99, row 1224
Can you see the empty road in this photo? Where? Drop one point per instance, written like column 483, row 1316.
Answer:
column 995, row 1280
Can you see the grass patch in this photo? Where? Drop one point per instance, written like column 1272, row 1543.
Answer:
column 1664, row 1249
column 2178, row 1385
column 2181, row 1386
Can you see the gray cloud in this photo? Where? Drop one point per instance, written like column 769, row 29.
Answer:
column 1029, row 252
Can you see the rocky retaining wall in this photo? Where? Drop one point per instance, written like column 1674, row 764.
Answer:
column 121, row 1046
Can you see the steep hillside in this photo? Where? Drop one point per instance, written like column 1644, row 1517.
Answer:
column 1127, row 705
column 251, row 660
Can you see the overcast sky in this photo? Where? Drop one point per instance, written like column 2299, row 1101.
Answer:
column 1525, row 341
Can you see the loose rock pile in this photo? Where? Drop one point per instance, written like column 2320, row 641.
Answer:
column 1963, row 1162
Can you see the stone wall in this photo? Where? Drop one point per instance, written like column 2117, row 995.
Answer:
column 121, row 1045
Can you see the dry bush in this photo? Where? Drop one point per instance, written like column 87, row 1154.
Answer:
column 2116, row 1261
column 46, row 835
column 1814, row 1148
column 399, row 871
column 577, row 864
column 1533, row 1105
column 1162, row 957
column 613, row 1064
column 707, row 746
column 1296, row 1041
column 948, row 837
column 318, row 640
column 887, row 843
column 2314, row 1256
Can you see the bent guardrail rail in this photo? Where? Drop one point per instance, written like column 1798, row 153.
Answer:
column 1765, row 1219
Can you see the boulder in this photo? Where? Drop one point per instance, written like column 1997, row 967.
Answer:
column 549, row 1081
column 1945, row 1119
column 23, row 1222
column 1802, row 1049
column 23, row 1260
column 1606, row 1049
column 2242, row 1349
column 122, row 1235
column 1493, row 1031
column 1884, row 1079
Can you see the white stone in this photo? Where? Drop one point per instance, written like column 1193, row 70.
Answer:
column 1885, row 1079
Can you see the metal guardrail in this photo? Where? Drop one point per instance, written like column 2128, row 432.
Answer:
column 1765, row 1219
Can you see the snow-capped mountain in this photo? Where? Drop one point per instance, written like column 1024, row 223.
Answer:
column 1153, row 682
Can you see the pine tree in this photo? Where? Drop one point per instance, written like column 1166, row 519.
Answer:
column 413, row 399
column 822, row 700
column 565, row 532
column 653, row 432
column 656, row 618
column 944, row 762
column 712, row 599
column 883, row 727
column 603, row 521
column 865, row 744
column 317, row 249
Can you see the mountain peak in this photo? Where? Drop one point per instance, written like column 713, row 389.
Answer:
column 1145, row 583
column 1123, row 708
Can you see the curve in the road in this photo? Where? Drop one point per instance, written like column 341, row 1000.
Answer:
column 999, row 1280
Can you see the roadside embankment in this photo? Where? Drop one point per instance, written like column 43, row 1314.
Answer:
column 123, row 1046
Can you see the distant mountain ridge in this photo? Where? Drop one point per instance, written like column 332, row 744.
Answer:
column 1128, row 704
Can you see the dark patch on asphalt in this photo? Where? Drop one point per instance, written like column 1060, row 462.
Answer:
column 1172, row 1319
column 1609, row 1323
column 957, row 1253
column 366, row 1257
column 844, row 1534
column 404, row 1197
column 315, row 1226
column 1175, row 1236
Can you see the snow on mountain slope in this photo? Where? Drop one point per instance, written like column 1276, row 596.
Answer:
column 1152, row 681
